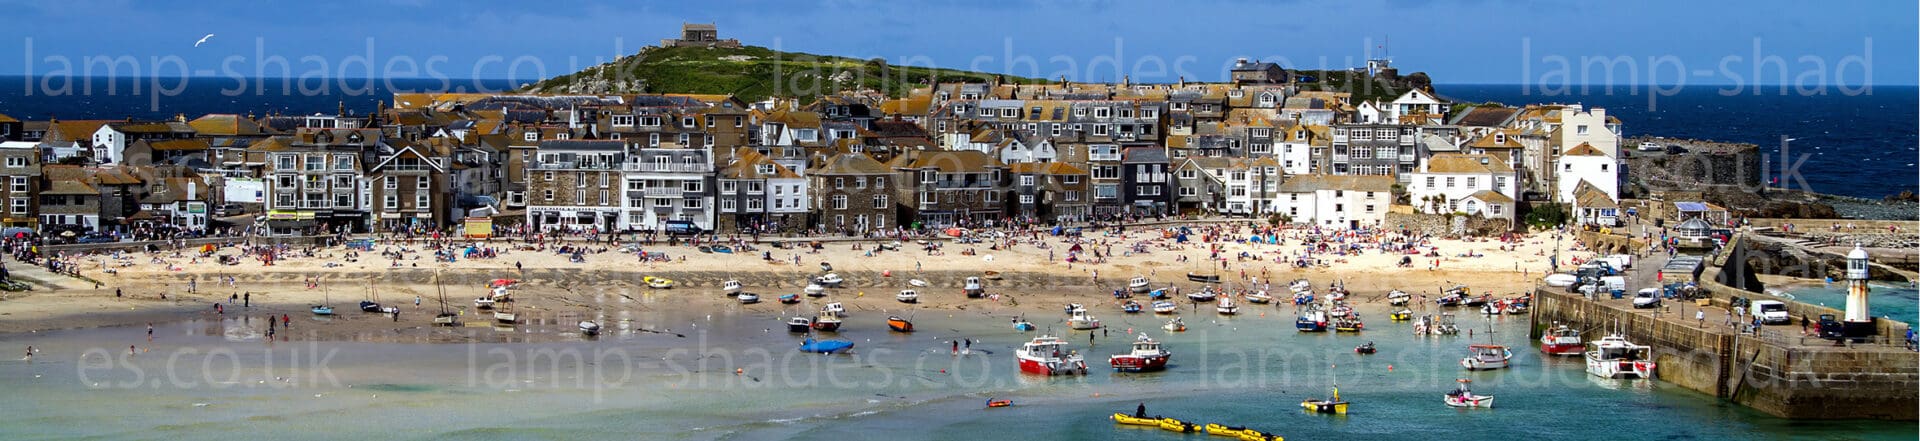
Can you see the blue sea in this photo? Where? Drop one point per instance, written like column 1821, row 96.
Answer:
column 1860, row 145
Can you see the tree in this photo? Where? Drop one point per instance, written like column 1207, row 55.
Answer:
column 1547, row 215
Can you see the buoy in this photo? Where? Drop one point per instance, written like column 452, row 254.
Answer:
column 1389, row 368
column 738, row 371
column 887, row 273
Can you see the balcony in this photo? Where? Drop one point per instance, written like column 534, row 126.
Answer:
column 1406, row 139
column 1339, row 158
column 1406, row 158
column 1339, row 138
column 663, row 192
column 665, row 168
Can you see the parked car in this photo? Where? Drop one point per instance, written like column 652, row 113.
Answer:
column 1646, row 298
column 225, row 210
column 682, row 228
column 97, row 238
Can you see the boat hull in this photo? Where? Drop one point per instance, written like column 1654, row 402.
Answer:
column 1477, row 401
column 1062, row 367
column 900, row 325
column 1620, row 369
column 826, row 326
column 1562, row 348
column 1138, row 363
column 798, row 327
column 1323, row 406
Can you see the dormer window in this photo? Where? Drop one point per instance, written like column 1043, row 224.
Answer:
column 563, row 136
column 766, row 169
column 1500, row 138
column 686, row 121
column 532, row 136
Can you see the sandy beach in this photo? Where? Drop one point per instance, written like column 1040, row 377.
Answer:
column 553, row 289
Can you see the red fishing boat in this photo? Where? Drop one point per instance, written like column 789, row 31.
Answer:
column 1147, row 355
column 1048, row 355
column 1562, row 340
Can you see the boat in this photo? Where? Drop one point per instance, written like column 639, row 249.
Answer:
column 1402, row 315
column 657, row 282
column 1398, row 298
column 1139, row 284
column 500, row 294
column 815, row 290
column 506, row 317
column 1478, row 301
column 1561, row 280
column 731, row 287
column 747, row 298
column 483, row 303
column 1486, row 357
column 991, row 403
column 1175, row 325
column 1615, row 357
column 917, row 283
column 1333, row 405
column 991, row 275
column 1157, row 294
column 369, row 306
column 1515, row 308
column 1131, row 420
column 588, row 327
column 835, row 309
column 830, row 280
column 1300, row 285
column 825, row 267
column 1258, row 297
column 446, row 317
column 1203, row 278
column 799, row 324
column 826, row 322
column 1365, row 349
column 789, row 299
column 1047, row 355
column 1313, row 320
column 1446, row 326
column 1491, row 308
column 1130, row 307
column 1079, row 319
column 825, row 346
column 1164, row 307
column 1174, row 425
column 705, row 249
column 898, row 324
column 1227, row 306
column 1225, row 430
column 973, row 288
column 1450, row 300
column 1348, row 324
column 323, row 308
column 1022, row 325
column 1302, row 297
column 907, row 296
column 1464, row 397
column 1562, row 340
column 722, row 249
column 1203, row 295
column 1146, row 356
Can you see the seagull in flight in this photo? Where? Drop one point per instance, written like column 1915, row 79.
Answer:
column 203, row 40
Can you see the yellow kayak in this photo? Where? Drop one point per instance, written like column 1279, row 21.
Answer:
column 1174, row 425
column 1134, row 421
column 1220, row 430
column 1255, row 435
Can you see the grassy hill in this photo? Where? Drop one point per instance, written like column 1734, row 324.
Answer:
column 1364, row 87
column 751, row 73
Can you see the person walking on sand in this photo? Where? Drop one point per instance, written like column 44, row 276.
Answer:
column 1701, row 316
column 246, row 300
column 956, row 347
column 149, row 331
column 29, row 357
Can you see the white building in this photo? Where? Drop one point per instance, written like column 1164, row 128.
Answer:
column 1343, row 201
column 667, row 184
column 1458, row 183
column 1585, row 163
column 1297, row 144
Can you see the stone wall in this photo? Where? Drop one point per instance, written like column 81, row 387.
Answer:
column 1705, row 164
column 1444, row 225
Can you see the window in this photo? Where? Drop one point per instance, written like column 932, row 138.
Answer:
column 1499, row 182
column 993, row 196
column 1580, row 129
column 1026, row 199
column 546, row 195
column 19, row 184
column 1188, row 174
column 729, row 187
column 1189, row 191
column 1026, row 180
column 755, row 187
column 1449, row 182
column 1472, row 182
column 390, row 182
column 860, row 182
column 1603, row 168
column 690, row 186
column 661, row 203
column 531, row 136
column 1099, row 129
column 684, row 139
column 879, row 181
column 691, row 204
column 839, row 202
column 1107, row 191
column 622, row 120
column 686, row 121
column 1495, row 208
column 19, row 205
column 423, row 200
column 653, row 140
column 392, row 201
column 754, row 204
column 18, row 161
column 879, row 202
column 1149, row 190
column 726, row 204
column 926, row 176
column 422, row 182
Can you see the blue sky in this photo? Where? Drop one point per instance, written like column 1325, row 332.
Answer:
column 1468, row 41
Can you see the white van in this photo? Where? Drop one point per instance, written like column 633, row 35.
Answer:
column 1771, row 312
column 1649, row 146
column 1619, row 261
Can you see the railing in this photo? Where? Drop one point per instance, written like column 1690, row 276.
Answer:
column 1406, row 139
column 1339, row 138
column 1340, row 158
column 1406, row 158
column 664, row 192
column 652, row 167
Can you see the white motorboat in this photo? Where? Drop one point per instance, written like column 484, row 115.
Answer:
column 1615, row 357
column 1165, row 307
column 917, row 283
column 506, row 317
column 830, row 280
column 973, row 287
column 1139, row 284
column 747, row 298
column 731, row 287
column 1561, row 280
column 500, row 294
column 588, row 327
column 483, row 303
column 1080, row 319
column 834, row 309
column 1048, row 355
column 1175, row 325
column 907, row 296
column 1464, row 397
column 815, row 289
column 1259, row 297
column 1300, row 285
column 1398, row 298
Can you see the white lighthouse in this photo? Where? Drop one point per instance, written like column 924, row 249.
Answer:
column 1857, row 287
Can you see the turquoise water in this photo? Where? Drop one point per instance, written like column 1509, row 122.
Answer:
column 1246, row 370
column 1901, row 302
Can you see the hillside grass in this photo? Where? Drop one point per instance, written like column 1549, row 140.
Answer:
column 752, row 73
